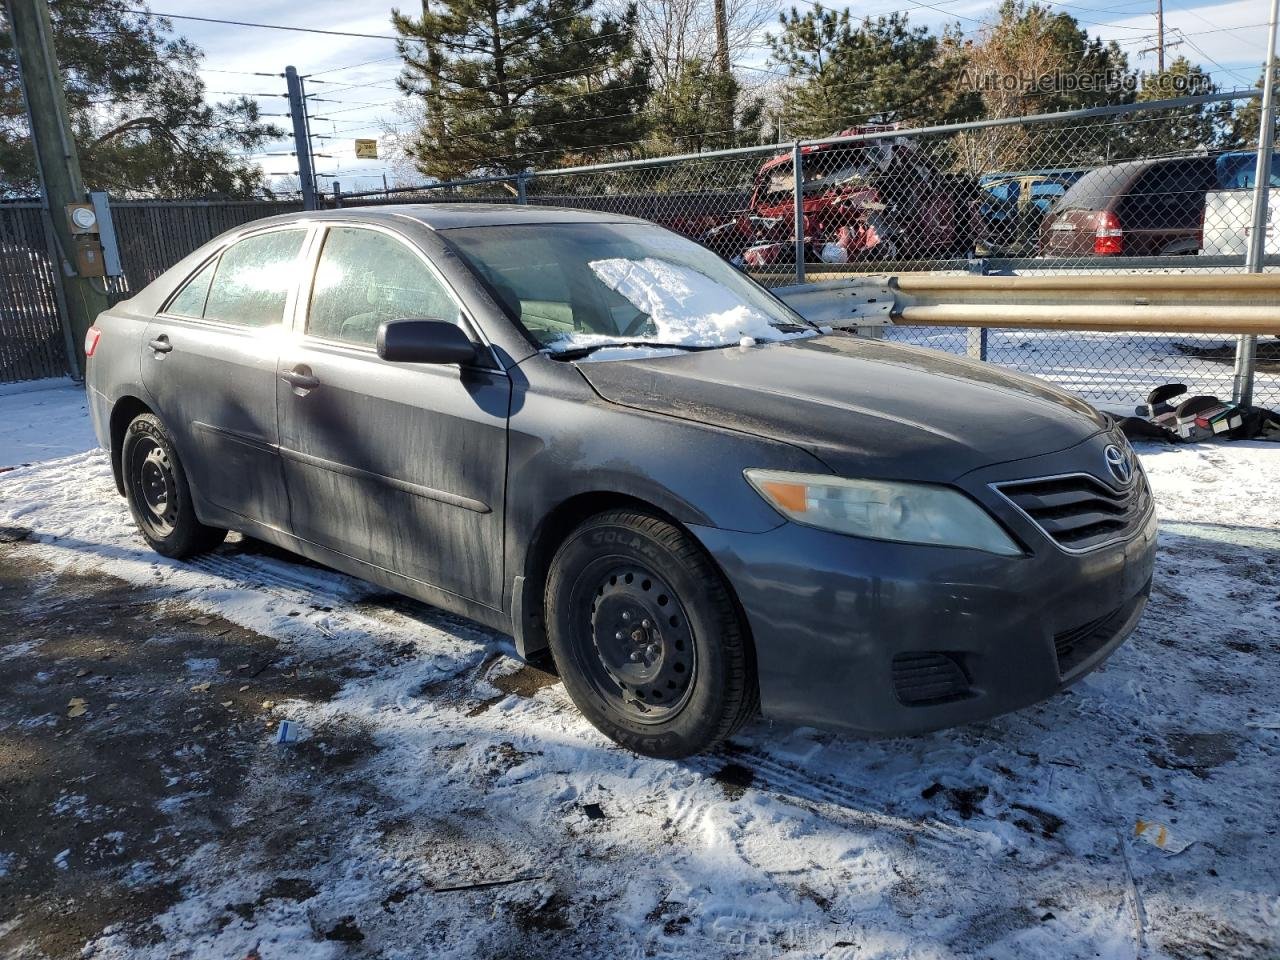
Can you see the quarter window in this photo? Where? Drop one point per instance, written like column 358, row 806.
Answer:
column 365, row 278
column 253, row 278
column 190, row 300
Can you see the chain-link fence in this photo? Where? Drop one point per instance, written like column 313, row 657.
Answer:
column 1131, row 188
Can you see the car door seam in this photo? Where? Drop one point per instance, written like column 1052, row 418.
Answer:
column 244, row 438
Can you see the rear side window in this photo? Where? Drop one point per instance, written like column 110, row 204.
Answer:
column 253, row 279
column 190, row 299
column 365, row 278
column 1169, row 195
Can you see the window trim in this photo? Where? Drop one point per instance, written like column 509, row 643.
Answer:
column 285, row 318
column 212, row 259
column 306, row 292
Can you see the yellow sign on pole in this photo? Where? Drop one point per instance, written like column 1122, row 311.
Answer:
column 366, row 149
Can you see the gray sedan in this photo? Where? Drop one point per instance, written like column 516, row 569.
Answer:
column 593, row 434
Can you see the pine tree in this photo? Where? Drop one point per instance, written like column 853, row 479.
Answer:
column 508, row 84
column 1246, row 120
column 1183, row 129
column 137, row 107
column 852, row 72
column 701, row 108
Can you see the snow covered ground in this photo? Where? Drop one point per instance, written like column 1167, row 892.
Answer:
column 42, row 419
column 1111, row 369
column 482, row 817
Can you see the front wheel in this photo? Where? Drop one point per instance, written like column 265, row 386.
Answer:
column 646, row 636
column 158, row 493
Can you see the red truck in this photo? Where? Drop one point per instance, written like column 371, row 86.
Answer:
column 874, row 199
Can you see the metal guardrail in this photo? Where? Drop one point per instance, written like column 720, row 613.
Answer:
column 1110, row 337
column 1183, row 303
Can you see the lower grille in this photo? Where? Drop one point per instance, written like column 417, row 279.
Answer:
column 1080, row 512
column 920, row 679
column 1078, row 644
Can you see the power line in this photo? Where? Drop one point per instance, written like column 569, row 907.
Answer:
column 1200, row 50
column 353, row 66
column 267, row 26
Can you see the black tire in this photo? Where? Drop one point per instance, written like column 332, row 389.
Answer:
column 158, row 493
column 646, row 636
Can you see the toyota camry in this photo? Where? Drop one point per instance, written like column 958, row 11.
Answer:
column 597, row 436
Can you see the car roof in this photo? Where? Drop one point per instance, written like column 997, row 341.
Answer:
column 448, row 216
column 1104, row 186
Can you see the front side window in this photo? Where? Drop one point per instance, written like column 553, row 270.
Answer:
column 571, row 285
column 365, row 278
column 253, row 279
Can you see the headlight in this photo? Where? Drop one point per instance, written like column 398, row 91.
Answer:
column 883, row 510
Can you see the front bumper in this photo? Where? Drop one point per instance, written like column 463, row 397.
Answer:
column 886, row 638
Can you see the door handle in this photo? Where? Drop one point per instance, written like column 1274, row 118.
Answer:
column 161, row 344
column 300, row 378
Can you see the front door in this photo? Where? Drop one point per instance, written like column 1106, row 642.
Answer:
column 399, row 465
column 209, row 363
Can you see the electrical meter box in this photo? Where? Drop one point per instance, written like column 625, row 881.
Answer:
column 88, row 257
column 82, row 218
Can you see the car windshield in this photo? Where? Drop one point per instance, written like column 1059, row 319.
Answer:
column 575, row 285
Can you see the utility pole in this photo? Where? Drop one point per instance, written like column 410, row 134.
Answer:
column 301, row 137
column 722, row 37
column 1161, row 45
column 1160, row 35
column 56, row 158
column 1247, row 346
column 728, row 110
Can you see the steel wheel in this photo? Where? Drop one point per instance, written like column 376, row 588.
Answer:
column 156, row 485
column 645, row 658
column 159, row 495
column 646, row 636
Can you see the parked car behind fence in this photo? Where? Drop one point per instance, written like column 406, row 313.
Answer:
column 1141, row 208
column 1012, row 204
column 1228, row 210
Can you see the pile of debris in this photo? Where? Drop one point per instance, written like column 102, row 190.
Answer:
column 1198, row 417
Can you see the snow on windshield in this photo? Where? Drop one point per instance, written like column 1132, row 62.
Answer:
column 686, row 306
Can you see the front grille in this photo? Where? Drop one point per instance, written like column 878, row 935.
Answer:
column 1078, row 644
column 920, row 679
column 1079, row 512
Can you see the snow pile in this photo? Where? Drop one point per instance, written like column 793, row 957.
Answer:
column 686, row 306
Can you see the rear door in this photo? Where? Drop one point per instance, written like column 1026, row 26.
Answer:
column 209, row 363
column 399, row 465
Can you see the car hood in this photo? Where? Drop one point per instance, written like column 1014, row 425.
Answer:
column 864, row 407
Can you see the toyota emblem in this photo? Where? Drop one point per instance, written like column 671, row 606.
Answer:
column 1118, row 463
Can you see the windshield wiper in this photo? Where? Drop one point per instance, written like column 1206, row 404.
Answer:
column 577, row 353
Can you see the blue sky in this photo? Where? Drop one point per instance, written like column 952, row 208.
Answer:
column 359, row 97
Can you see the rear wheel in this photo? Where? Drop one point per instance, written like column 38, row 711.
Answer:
column 646, row 636
column 158, row 493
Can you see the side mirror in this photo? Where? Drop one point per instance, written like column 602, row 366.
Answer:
column 424, row 341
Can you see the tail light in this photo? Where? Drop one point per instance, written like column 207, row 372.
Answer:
column 91, row 341
column 1108, row 238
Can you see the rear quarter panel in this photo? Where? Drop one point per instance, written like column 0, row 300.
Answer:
column 114, row 371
